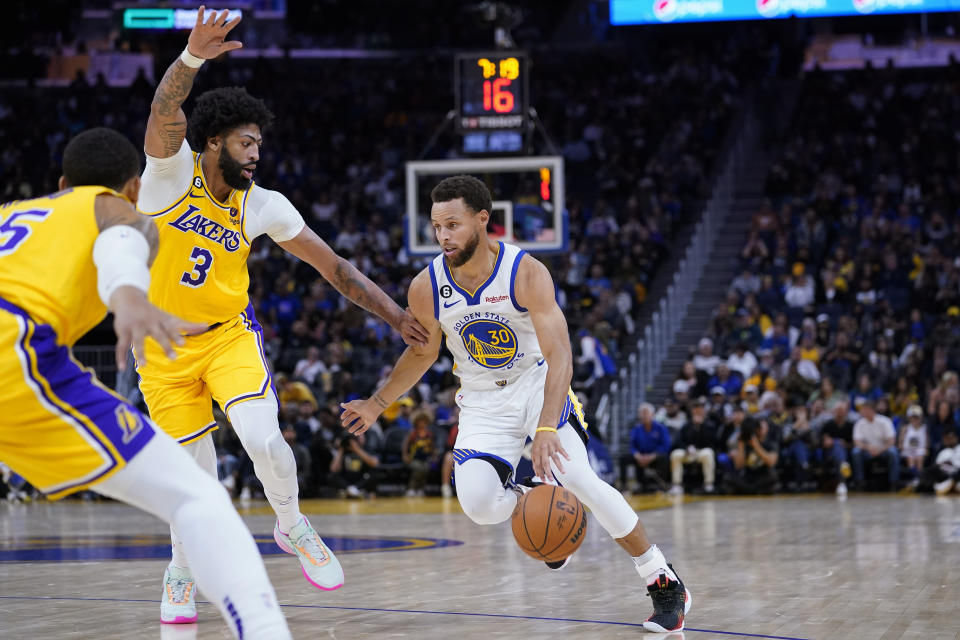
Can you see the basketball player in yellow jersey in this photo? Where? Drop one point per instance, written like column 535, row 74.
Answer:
column 207, row 209
column 64, row 259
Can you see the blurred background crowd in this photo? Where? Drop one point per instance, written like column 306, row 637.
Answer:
column 830, row 364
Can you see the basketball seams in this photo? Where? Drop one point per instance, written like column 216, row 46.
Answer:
column 565, row 537
column 533, row 548
column 546, row 529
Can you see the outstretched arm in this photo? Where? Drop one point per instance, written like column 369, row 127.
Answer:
column 123, row 252
column 167, row 124
column 535, row 291
column 358, row 288
column 359, row 415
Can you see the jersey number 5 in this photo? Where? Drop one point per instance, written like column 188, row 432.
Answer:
column 14, row 229
column 202, row 261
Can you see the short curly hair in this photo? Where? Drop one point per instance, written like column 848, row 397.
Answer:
column 474, row 192
column 100, row 156
column 219, row 111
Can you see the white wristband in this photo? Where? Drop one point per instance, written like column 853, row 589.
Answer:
column 121, row 253
column 191, row 60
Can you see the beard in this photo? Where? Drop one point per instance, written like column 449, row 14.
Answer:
column 232, row 171
column 466, row 252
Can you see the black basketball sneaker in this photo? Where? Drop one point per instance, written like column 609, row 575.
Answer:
column 559, row 564
column 671, row 602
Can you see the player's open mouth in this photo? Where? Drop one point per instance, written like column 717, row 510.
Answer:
column 449, row 251
column 248, row 172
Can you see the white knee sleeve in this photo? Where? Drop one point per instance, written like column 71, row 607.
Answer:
column 255, row 422
column 481, row 493
column 257, row 426
column 607, row 505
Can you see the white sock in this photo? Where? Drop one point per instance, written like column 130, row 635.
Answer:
column 652, row 563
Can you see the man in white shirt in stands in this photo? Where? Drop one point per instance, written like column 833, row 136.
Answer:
column 874, row 438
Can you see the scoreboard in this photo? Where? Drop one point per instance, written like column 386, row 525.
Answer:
column 492, row 102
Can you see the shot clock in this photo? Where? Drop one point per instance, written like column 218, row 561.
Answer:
column 491, row 91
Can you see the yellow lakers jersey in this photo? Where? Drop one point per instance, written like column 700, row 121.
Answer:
column 46, row 260
column 200, row 273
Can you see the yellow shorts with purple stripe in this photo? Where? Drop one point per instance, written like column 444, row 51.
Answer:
column 225, row 364
column 60, row 428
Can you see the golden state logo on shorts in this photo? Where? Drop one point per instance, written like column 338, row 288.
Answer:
column 490, row 343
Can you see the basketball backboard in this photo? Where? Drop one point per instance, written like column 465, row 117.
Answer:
column 528, row 200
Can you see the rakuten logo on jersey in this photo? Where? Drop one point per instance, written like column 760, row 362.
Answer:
column 493, row 299
column 667, row 10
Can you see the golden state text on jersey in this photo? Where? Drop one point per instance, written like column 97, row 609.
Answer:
column 488, row 339
column 200, row 273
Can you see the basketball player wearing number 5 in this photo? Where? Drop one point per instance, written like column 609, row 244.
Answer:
column 208, row 210
column 509, row 340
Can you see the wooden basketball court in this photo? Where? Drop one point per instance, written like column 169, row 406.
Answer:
column 870, row 567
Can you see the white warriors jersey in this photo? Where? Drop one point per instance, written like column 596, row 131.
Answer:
column 491, row 337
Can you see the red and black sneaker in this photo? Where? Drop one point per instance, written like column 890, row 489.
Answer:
column 671, row 602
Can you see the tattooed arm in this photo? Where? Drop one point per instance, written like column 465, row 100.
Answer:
column 348, row 280
column 167, row 124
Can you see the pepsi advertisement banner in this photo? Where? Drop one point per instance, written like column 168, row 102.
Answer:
column 623, row 12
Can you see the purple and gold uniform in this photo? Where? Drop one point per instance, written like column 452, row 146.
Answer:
column 60, row 427
column 200, row 274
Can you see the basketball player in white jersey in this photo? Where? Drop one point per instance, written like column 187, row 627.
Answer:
column 495, row 304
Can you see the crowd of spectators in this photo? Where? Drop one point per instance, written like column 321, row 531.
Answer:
column 639, row 147
column 833, row 358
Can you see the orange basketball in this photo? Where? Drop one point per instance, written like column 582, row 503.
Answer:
column 549, row 523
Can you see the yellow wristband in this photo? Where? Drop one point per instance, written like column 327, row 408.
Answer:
column 553, row 429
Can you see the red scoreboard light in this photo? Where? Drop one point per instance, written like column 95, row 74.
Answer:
column 491, row 91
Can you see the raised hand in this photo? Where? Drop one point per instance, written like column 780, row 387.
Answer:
column 206, row 38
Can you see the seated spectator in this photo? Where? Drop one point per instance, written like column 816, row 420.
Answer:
column 865, row 390
column 874, row 438
column 672, row 416
column 718, row 408
column 799, row 293
column 840, row 427
column 419, row 453
column 913, row 443
column 755, row 459
column 695, row 380
column 354, row 466
column 697, row 443
column 829, row 395
column 745, row 331
column 943, row 475
column 751, row 399
column 841, row 360
column 830, row 467
column 649, row 450
column 705, row 360
column 726, row 380
column 745, row 283
column 941, row 422
column 903, row 396
column 777, row 341
column 309, row 367
column 742, row 360
column 798, row 444
column 292, row 393
column 798, row 377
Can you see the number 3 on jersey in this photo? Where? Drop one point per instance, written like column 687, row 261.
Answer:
column 202, row 261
